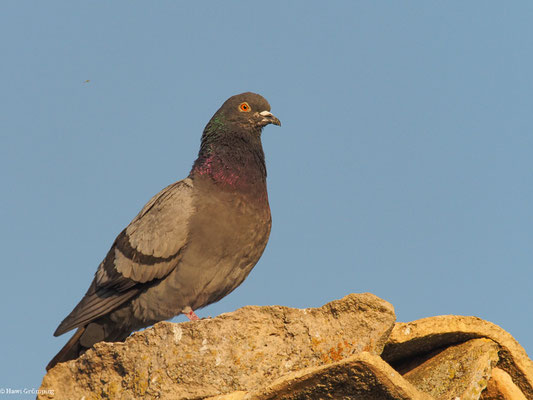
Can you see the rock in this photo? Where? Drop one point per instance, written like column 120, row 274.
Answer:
column 239, row 395
column 459, row 371
column 502, row 387
column 362, row 376
column 265, row 353
column 245, row 350
column 414, row 339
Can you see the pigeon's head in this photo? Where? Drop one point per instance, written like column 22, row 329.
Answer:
column 245, row 111
column 231, row 142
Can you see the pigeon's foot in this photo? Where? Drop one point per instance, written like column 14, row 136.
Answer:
column 189, row 313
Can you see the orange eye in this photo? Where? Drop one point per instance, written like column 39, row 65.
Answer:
column 244, row 107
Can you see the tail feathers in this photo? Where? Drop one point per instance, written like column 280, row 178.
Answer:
column 70, row 351
column 86, row 336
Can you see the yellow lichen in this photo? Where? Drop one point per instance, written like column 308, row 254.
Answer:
column 112, row 390
column 139, row 383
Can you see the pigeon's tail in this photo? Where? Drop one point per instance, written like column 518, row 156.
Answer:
column 70, row 350
column 102, row 329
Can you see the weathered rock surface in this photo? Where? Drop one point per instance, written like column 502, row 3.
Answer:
column 347, row 349
column 459, row 371
column 362, row 376
column 243, row 350
column 502, row 387
column 412, row 339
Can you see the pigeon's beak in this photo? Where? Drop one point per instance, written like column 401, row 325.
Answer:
column 268, row 118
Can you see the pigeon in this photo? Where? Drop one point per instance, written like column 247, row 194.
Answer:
column 192, row 244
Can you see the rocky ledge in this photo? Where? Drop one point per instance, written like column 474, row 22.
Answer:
column 347, row 349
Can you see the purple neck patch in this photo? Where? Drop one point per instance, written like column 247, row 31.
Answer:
column 215, row 168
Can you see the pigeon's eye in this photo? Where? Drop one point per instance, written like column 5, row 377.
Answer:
column 244, row 107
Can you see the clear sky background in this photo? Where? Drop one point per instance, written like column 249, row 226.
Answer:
column 403, row 166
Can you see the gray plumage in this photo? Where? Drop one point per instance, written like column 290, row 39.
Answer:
column 192, row 243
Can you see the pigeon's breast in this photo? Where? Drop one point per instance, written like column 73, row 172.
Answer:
column 228, row 233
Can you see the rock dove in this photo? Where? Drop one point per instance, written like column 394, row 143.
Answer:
column 192, row 243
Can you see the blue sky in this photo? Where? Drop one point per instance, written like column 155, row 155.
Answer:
column 403, row 166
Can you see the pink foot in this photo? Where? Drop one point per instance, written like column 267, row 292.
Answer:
column 189, row 313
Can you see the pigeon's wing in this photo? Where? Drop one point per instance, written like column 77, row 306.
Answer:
column 147, row 250
column 148, row 247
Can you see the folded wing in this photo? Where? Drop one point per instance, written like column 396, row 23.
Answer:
column 146, row 251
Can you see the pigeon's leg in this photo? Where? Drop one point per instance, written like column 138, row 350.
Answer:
column 189, row 313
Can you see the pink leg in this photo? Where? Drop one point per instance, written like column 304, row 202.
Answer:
column 189, row 313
